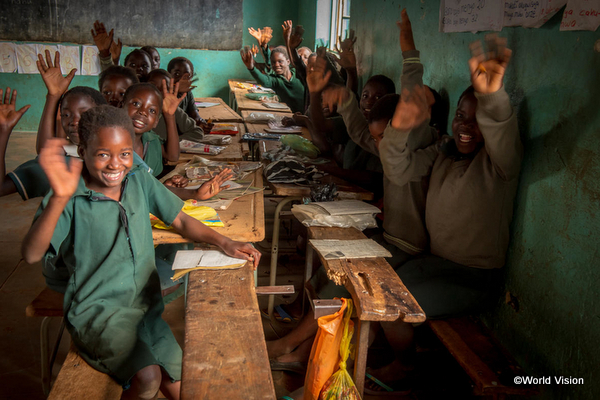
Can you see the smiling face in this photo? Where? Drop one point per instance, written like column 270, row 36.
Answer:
column 113, row 88
column 464, row 125
column 279, row 63
column 71, row 109
column 181, row 70
column 108, row 158
column 372, row 92
column 143, row 107
column 140, row 62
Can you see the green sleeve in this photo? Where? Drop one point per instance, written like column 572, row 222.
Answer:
column 153, row 151
column 30, row 180
column 264, row 79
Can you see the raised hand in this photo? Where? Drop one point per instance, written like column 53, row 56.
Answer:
column 296, row 37
column 242, row 250
column 9, row 116
column 487, row 75
column 56, row 83
column 170, row 99
column 213, row 186
column 407, row 41
column 256, row 34
column 287, row 30
column 102, row 39
column 63, row 177
column 316, row 75
column 347, row 58
column 247, row 57
column 413, row 109
column 115, row 51
column 178, row 181
column 265, row 36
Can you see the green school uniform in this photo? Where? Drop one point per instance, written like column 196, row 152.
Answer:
column 153, row 151
column 290, row 92
column 113, row 303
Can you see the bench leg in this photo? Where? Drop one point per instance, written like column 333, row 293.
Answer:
column 362, row 346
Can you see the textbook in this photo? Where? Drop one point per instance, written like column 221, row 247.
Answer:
column 190, row 260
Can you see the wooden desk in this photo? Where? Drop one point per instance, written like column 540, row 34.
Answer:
column 233, row 86
column 220, row 113
column 225, row 354
column 244, row 220
column 260, row 127
column 235, row 151
column 345, row 189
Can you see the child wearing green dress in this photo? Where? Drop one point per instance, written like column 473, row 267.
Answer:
column 96, row 220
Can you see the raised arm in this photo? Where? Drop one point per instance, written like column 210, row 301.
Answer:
column 316, row 79
column 57, row 85
column 9, row 117
column 170, row 149
column 347, row 60
column 262, row 79
column 293, row 39
column 210, row 188
column 64, row 180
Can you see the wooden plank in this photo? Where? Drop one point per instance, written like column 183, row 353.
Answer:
column 244, row 220
column 48, row 303
column 233, row 152
column 345, row 189
column 220, row 113
column 225, row 353
column 78, row 380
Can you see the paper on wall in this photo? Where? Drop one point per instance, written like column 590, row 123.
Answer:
column 26, row 58
column 69, row 59
column 471, row 15
column 41, row 49
column 581, row 15
column 532, row 13
column 90, row 63
column 8, row 57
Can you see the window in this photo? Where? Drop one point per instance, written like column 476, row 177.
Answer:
column 333, row 21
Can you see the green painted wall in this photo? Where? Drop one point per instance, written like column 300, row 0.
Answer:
column 553, row 262
column 212, row 67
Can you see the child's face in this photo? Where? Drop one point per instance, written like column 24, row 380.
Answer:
column 372, row 92
column 156, row 80
column 143, row 107
column 464, row 125
column 108, row 157
column 376, row 129
column 279, row 63
column 72, row 107
column 113, row 89
column 141, row 64
column 304, row 54
column 181, row 70
column 155, row 59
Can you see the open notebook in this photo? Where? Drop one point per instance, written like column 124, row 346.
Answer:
column 190, row 260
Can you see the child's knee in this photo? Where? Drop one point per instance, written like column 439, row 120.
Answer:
column 148, row 381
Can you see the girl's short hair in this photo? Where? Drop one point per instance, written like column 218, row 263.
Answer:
column 282, row 50
column 92, row 93
column 134, row 88
column 177, row 60
column 384, row 108
column 384, row 81
column 104, row 116
column 138, row 51
column 117, row 70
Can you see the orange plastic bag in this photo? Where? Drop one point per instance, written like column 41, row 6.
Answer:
column 340, row 385
column 325, row 353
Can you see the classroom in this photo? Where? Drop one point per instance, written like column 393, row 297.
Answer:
column 227, row 324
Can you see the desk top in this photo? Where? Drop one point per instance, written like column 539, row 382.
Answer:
column 234, row 151
column 346, row 190
column 225, row 354
column 244, row 219
column 244, row 103
column 220, row 113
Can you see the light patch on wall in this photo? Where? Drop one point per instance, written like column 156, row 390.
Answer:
column 218, row 14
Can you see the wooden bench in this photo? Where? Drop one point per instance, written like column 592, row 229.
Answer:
column 376, row 289
column 491, row 368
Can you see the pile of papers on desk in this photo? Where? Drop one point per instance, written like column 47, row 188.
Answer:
column 342, row 214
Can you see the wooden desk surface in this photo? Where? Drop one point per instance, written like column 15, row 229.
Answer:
column 260, row 127
column 225, row 354
column 244, row 103
column 220, row 113
column 345, row 189
column 376, row 289
column 235, row 151
column 244, row 220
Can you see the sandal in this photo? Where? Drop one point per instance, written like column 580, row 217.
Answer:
column 280, row 315
column 375, row 387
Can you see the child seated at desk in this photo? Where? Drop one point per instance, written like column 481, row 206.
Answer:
column 96, row 220
column 114, row 82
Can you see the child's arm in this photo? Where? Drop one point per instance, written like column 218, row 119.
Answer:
column 292, row 41
column 9, row 117
column 187, row 127
column 262, row 79
column 57, row 85
column 170, row 150
column 347, row 60
column 210, row 188
column 104, row 43
column 316, row 80
column 64, row 180
column 495, row 116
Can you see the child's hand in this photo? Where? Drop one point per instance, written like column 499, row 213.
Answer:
column 207, row 126
column 242, row 250
column 266, row 34
column 170, row 99
column 115, row 51
column 56, row 83
column 256, row 34
column 296, row 37
column 63, row 178
column 213, row 186
column 413, row 109
column 487, row 75
column 347, row 58
column 407, row 42
column 9, row 116
column 186, row 83
column 247, row 57
column 316, row 76
column 102, row 39
column 178, row 181
column 287, row 30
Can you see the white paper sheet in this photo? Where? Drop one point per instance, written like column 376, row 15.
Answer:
column 532, row 13
column 581, row 15
column 8, row 57
column 26, row 58
column 347, row 207
column 41, row 49
column 90, row 63
column 471, row 15
column 185, row 259
column 206, row 104
column 69, row 59
column 361, row 248
column 209, row 259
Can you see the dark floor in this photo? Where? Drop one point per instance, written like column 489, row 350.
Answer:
column 437, row 374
